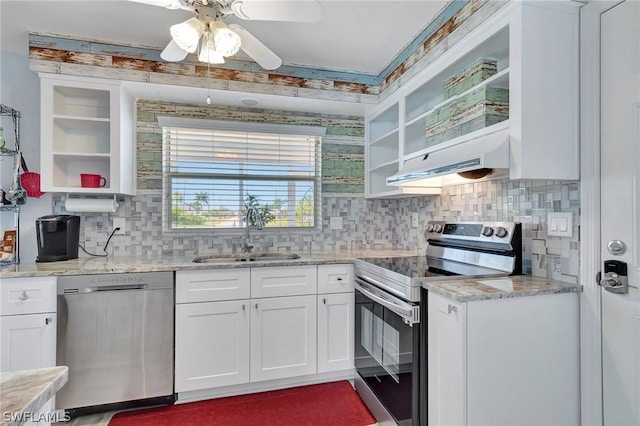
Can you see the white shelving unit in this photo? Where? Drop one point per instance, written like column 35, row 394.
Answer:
column 87, row 127
column 535, row 46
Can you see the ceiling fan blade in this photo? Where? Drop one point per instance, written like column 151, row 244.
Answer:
column 173, row 52
column 278, row 10
column 256, row 50
column 169, row 4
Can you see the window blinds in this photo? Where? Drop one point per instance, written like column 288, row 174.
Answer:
column 211, row 175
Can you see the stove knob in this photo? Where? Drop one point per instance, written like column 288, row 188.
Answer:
column 501, row 232
column 430, row 227
column 487, row 231
column 437, row 228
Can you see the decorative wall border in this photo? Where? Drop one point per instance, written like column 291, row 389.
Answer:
column 64, row 54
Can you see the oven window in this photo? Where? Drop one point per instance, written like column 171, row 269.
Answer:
column 385, row 359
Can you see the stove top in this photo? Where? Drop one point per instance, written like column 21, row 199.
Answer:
column 456, row 250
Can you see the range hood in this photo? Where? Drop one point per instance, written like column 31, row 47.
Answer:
column 487, row 152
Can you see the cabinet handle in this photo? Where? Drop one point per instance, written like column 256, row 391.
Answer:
column 47, row 320
column 256, row 306
column 452, row 308
column 244, row 307
column 324, row 300
column 339, row 278
column 23, row 296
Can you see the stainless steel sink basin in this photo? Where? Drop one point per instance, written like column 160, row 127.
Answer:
column 250, row 257
column 267, row 257
column 213, row 258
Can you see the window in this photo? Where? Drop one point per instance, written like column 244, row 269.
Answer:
column 214, row 170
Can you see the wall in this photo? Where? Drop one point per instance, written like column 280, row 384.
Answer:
column 367, row 224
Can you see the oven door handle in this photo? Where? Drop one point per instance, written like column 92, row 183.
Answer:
column 410, row 314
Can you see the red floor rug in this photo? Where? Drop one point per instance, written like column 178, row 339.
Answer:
column 335, row 404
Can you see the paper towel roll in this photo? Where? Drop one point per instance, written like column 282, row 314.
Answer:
column 91, row 205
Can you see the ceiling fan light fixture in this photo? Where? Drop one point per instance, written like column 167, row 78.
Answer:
column 208, row 52
column 187, row 34
column 227, row 42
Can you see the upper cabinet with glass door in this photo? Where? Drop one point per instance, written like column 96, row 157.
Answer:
column 86, row 128
column 519, row 71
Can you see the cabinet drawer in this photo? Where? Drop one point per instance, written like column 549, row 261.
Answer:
column 284, row 281
column 335, row 278
column 28, row 295
column 212, row 285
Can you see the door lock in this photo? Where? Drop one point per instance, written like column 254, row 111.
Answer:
column 615, row 277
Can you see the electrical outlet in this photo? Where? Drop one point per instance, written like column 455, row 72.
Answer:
column 414, row 220
column 120, row 222
column 335, row 222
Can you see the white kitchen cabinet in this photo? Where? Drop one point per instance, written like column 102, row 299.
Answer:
column 335, row 331
column 283, row 337
column 336, row 303
column 87, row 126
column 28, row 325
column 284, row 281
column 241, row 325
column 212, row 344
column 503, row 361
column 535, row 45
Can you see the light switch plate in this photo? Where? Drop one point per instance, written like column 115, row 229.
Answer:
column 414, row 220
column 560, row 224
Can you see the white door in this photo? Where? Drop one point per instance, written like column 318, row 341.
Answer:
column 283, row 337
column 620, row 168
column 212, row 344
column 335, row 331
column 28, row 341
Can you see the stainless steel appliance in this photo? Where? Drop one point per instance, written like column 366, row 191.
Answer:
column 390, row 318
column 58, row 237
column 115, row 333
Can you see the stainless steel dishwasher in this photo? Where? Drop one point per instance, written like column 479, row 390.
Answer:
column 115, row 333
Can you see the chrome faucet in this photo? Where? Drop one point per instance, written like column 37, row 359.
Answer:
column 256, row 215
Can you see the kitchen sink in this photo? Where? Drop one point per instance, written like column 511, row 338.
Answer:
column 248, row 257
column 212, row 258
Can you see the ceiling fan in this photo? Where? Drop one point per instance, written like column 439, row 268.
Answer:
column 212, row 40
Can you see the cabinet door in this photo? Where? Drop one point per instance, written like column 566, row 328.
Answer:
column 212, row 285
column 446, row 361
column 212, row 344
column 335, row 278
column 283, row 337
column 284, row 281
column 27, row 341
column 335, row 331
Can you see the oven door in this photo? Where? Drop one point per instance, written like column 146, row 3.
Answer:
column 387, row 359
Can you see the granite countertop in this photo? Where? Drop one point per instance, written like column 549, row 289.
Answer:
column 123, row 264
column 467, row 290
column 23, row 393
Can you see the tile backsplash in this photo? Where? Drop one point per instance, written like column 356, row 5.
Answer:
column 367, row 224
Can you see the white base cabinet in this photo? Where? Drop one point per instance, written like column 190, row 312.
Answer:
column 248, row 329
column 504, row 361
column 212, row 344
column 336, row 304
column 283, row 337
column 28, row 326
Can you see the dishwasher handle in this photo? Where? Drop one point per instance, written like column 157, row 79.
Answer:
column 122, row 287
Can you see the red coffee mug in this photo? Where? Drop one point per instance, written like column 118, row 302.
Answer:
column 92, row 181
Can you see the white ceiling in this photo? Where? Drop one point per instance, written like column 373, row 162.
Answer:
column 358, row 36
column 361, row 36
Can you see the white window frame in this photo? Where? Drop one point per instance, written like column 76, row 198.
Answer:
column 241, row 126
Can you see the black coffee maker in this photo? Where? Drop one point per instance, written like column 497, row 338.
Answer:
column 58, row 237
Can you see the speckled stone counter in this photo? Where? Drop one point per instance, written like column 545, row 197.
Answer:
column 466, row 290
column 24, row 392
column 117, row 264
